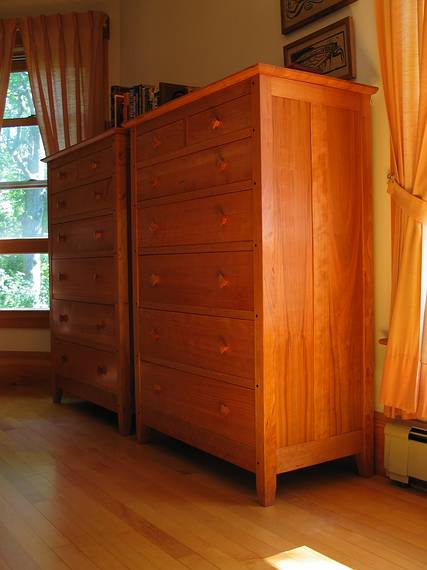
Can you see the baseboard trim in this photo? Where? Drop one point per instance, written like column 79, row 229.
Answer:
column 24, row 368
column 379, row 423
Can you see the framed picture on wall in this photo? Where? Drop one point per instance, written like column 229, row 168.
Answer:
column 297, row 13
column 328, row 51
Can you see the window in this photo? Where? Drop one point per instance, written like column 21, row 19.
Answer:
column 24, row 270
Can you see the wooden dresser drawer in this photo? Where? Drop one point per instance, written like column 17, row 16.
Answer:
column 96, row 166
column 218, row 407
column 159, row 142
column 91, row 279
column 88, row 365
column 216, row 219
column 208, row 168
column 63, row 177
column 213, row 280
column 213, row 343
column 89, row 237
column 87, row 199
column 220, row 120
column 86, row 323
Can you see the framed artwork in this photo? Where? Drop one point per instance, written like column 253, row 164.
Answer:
column 328, row 51
column 297, row 13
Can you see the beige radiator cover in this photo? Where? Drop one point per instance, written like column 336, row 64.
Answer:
column 404, row 458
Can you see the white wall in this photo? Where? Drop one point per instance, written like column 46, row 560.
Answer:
column 199, row 41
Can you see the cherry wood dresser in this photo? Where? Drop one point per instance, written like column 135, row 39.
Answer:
column 251, row 219
column 89, row 316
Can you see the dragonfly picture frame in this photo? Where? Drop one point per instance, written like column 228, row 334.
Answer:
column 328, row 51
column 298, row 13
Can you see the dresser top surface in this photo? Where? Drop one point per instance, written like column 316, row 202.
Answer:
column 260, row 69
column 110, row 133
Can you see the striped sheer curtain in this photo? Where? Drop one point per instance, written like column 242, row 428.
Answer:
column 402, row 42
column 68, row 69
column 7, row 41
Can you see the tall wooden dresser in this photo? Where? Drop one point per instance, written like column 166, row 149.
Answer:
column 253, row 271
column 88, row 194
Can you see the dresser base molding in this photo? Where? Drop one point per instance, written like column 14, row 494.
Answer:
column 24, row 368
column 237, row 453
column 313, row 452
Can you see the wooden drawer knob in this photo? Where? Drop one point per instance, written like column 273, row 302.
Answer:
column 98, row 234
column 62, row 276
column 222, row 281
column 101, row 370
column 157, row 388
column 216, row 124
column 61, row 203
column 96, row 276
column 222, row 165
column 156, row 143
column 155, row 182
column 154, row 280
column 93, row 164
column 63, row 318
column 64, row 358
column 61, row 238
column 224, row 410
column 154, row 335
column 98, row 195
column 153, row 228
column 224, row 347
column 223, row 219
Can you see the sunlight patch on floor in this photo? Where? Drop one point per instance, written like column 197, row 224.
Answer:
column 305, row 558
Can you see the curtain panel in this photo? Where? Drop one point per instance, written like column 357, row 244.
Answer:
column 402, row 42
column 7, row 42
column 68, row 70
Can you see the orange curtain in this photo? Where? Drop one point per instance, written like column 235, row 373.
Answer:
column 7, row 41
column 402, row 41
column 67, row 66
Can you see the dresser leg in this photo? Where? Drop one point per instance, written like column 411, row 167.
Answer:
column 57, row 394
column 143, row 433
column 365, row 463
column 125, row 422
column 266, row 488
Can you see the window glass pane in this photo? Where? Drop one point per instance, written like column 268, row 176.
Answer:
column 24, row 281
column 19, row 101
column 23, row 213
column 21, row 149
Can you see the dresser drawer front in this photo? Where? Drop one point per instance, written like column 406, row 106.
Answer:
column 215, row 219
column 87, row 323
column 213, row 343
column 161, row 141
column 96, row 166
column 62, row 177
column 89, row 279
column 85, row 365
column 87, row 199
column 220, row 120
column 214, row 280
column 93, row 236
column 208, row 168
column 205, row 403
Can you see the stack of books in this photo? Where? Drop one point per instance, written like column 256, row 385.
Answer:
column 130, row 102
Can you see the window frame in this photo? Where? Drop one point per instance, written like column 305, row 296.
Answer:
column 23, row 318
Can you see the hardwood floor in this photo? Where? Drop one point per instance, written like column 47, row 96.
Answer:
column 75, row 494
